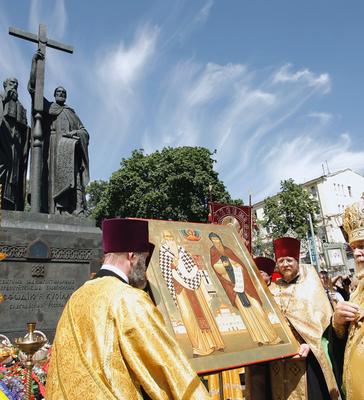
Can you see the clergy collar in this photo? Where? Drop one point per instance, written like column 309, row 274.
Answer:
column 294, row 280
column 116, row 271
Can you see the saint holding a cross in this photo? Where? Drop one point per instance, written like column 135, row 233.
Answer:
column 60, row 165
column 65, row 172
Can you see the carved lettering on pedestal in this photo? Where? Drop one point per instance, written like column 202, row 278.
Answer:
column 38, row 271
column 30, row 294
column 56, row 253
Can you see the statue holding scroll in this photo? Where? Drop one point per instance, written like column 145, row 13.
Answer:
column 65, row 169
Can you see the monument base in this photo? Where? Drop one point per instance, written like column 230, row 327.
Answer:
column 48, row 258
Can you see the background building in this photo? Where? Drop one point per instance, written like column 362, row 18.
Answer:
column 333, row 191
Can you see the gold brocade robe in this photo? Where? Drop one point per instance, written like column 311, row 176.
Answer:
column 353, row 381
column 308, row 311
column 110, row 341
column 229, row 384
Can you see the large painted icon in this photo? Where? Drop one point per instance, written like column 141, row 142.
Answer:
column 212, row 297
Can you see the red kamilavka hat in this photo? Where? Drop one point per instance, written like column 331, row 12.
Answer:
column 265, row 264
column 123, row 235
column 287, row 247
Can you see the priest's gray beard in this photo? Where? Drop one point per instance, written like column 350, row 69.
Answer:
column 137, row 276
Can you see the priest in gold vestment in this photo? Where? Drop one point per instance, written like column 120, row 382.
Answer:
column 111, row 341
column 303, row 301
column 348, row 321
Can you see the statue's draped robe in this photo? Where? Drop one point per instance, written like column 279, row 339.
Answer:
column 186, row 288
column 65, row 172
column 308, row 311
column 111, row 343
column 14, row 149
column 249, row 305
column 353, row 381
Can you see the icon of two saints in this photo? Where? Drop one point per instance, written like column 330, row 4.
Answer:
column 186, row 286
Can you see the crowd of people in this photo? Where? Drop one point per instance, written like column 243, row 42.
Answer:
column 112, row 343
column 326, row 319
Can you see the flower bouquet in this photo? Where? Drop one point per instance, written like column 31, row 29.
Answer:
column 13, row 374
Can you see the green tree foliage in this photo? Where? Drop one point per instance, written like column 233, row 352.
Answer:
column 261, row 247
column 94, row 193
column 169, row 184
column 289, row 209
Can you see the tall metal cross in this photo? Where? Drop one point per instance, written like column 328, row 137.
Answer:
column 37, row 108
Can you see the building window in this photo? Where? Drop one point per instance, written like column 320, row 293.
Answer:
column 349, row 191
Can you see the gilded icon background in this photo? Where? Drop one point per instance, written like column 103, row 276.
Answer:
column 207, row 287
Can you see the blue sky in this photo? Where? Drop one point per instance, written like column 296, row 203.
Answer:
column 276, row 87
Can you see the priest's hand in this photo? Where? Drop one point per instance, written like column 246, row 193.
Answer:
column 303, row 350
column 345, row 312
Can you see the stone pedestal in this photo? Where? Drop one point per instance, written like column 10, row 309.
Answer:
column 49, row 257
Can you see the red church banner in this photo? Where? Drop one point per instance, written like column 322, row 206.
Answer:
column 238, row 216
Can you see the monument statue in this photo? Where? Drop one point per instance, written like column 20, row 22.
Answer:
column 65, row 167
column 48, row 255
column 39, row 195
column 14, row 147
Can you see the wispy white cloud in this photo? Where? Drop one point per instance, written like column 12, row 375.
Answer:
column 11, row 60
column 212, row 83
column 284, row 75
column 236, row 111
column 53, row 12
column 301, row 158
column 59, row 15
column 122, row 67
column 192, row 20
column 34, row 14
column 204, row 12
column 118, row 77
column 322, row 117
column 191, row 102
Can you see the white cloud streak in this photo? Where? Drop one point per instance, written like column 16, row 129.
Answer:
column 120, row 69
column 234, row 110
column 301, row 159
column 284, row 75
column 53, row 12
column 118, row 77
column 204, row 13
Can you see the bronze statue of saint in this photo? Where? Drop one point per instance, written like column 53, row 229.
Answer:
column 65, row 170
column 14, row 147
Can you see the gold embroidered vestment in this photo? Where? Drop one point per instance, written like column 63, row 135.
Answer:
column 111, row 340
column 308, row 311
column 353, row 381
